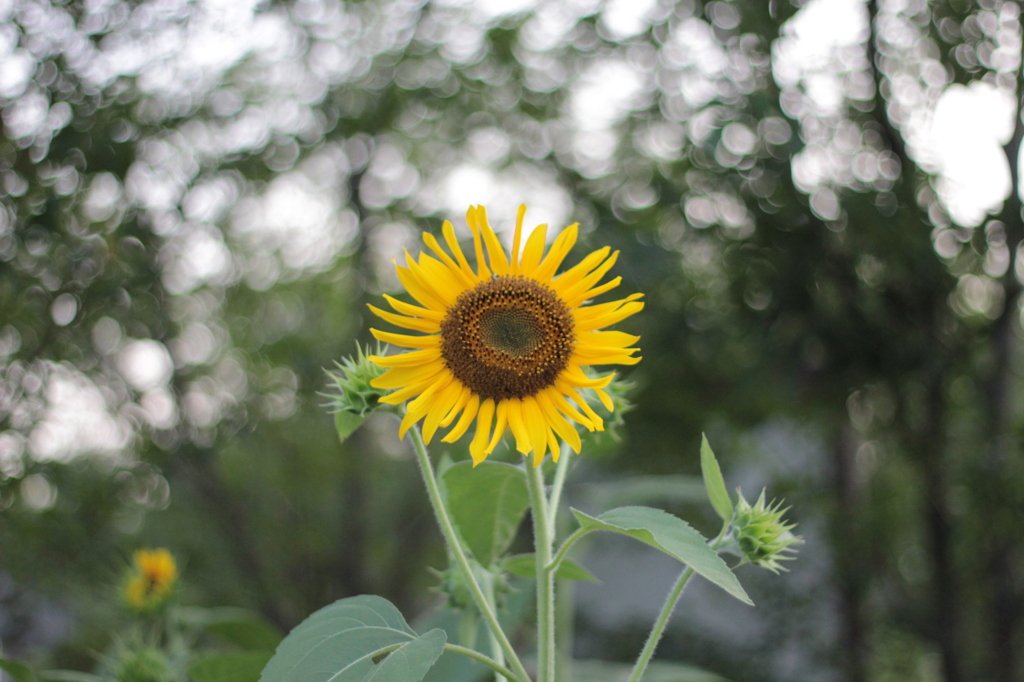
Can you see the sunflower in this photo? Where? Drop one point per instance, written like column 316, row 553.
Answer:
column 150, row 583
column 504, row 344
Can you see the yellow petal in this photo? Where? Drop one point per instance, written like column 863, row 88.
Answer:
column 411, row 359
column 538, row 429
column 592, row 322
column 500, row 420
column 443, row 281
column 453, row 244
column 576, row 273
column 592, row 311
column 444, row 403
column 562, row 427
column 570, row 392
column 585, row 283
column 398, row 377
column 518, row 426
column 496, row 253
column 559, row 250
column 467, row 418
column 414, row 310
column 460, row 403
column 608, row 358
column 565, row 407
column 414, row 323
column 483, row 432
column 481, row 263
column 575, row 377
column 424, row 294
column 534, row 249
column 520, row 214
column 608, row 338
column 410, row 391
column 453, row 267
column 577, row 300
column 432, row 341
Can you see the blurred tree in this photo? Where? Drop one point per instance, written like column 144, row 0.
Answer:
column 199, row 198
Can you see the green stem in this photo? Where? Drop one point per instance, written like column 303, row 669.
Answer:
column 666, row 610
column 558, row 484
column 659, row 625
column 488, row 585
column 477, row 656
column 545, row 578
column 564, row 549
column 460, row 556
column 456, row 649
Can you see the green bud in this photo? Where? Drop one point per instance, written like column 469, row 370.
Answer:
column 759, row 534
column 350, row 396
column 603, row 442
column 143, row 665
column 454, row 587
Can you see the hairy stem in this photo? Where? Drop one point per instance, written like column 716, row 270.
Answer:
column 559, row 483
column 543, row 539
column 448, row 531
column 477, row 656
column 659, row 625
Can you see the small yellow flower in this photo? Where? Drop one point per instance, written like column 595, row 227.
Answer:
column 504, row 344
column 151, row 580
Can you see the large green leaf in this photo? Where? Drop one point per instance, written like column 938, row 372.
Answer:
column 487, row 503
column 345, row 642
column 525, row 565
column 234, row 667
column 18, row 671
column 713, row 481
column 671, row 535
column 244, row 629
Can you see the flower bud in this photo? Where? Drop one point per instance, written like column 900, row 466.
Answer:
column 143, row 665
column 759, row 534
column 351, row 397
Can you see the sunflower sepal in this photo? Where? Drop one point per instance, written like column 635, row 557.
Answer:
column 759, row 535
column 351, row 394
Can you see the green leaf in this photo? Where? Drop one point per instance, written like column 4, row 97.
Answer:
column 19, row 671
column 487, row 503
column 244, row 629
column 346, row 423
column 526, row 566
column 410, row 662
column 238, row 667
column 671, row 535
column 713, row 481
column 345, row 642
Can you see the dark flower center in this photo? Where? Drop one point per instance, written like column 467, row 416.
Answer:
column 508, row 337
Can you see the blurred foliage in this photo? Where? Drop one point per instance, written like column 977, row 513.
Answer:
column 199, row 198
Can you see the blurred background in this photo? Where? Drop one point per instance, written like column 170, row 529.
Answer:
column 820, row 201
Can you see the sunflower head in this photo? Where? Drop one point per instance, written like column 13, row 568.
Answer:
column 504, row 344
column 151, row 580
